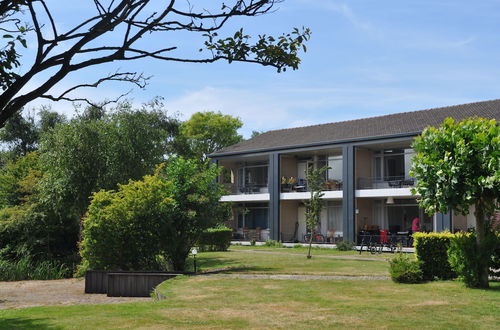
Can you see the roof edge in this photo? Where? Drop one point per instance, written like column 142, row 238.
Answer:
column 315, row 144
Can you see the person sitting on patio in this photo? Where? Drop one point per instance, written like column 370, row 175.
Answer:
column 415, row 224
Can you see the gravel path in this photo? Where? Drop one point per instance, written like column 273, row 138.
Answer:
column 300, row 277
column 56, row 292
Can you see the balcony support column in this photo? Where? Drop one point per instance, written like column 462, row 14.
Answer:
column 274, row 195
column 349, row 188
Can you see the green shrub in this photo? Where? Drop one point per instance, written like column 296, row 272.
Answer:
column 273, row 243
column 432, row 252
column 26, row 269
column 345, row 246
column 403, row 269
column 466, row 260
column 123, row 228
column 162, row 215
column 297, row 246
column 215, row 239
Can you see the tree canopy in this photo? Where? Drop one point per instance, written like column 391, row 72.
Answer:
column 21, row 133
column 458, row 166
column 111, row 30
column 207, row 132
column 44, row 194
column 99, row 150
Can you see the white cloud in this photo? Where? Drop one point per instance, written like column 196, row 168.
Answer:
column 343, row 9
column 283, row 107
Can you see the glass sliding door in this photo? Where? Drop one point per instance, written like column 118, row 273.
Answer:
column 253, row 221
column 335, row 223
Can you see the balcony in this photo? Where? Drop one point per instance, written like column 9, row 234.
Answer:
column 247, row 189
column 390, row 182
column 301, row 186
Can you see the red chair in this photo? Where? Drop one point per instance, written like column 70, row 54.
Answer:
column 384, row 236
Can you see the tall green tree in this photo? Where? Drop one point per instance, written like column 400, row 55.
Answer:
column 97, row 152
column 315, row 204
column 207, row 132
column 46, row 196
column 18, row 179
column 21, row 133
column 457, row 165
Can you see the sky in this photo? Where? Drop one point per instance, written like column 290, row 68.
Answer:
column 365, row 58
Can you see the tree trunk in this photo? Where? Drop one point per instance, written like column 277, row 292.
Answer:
column 309, row 256
column 480, row 242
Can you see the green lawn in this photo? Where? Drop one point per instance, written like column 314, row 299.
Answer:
column 221, row 302
column 292, row 261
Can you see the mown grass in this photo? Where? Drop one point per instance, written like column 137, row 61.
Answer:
column 214, row 302
column 315, row 251
column 221, row 302
column 289, row 261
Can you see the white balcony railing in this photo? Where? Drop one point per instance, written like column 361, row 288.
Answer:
column 385, row 183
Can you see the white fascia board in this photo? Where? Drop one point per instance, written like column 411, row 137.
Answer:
column 337, row 194
column 390, row 192
column 245, row 198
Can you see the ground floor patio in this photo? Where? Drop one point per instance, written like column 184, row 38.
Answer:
column 395, row 217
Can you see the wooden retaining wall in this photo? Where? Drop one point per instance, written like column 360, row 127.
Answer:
column 135, row 284
column 124, row 283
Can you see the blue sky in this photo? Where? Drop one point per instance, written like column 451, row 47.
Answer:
column 365, row 58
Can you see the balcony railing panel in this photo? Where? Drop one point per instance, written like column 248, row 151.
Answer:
column 257, row 188
column 385, row 183
column 302, row 186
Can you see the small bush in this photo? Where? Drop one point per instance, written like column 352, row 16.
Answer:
column 26, row 269
column 273, row 243
column 296, row 246
column 252, row 242
column 405, row 270
column 432, row 252
column 215, row 239
column 466, row 260
column 345, row 246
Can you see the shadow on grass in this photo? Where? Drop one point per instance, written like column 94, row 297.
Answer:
column 24, row 323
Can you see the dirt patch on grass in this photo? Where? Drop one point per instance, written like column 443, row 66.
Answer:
column 24, row 294
column 432, row 303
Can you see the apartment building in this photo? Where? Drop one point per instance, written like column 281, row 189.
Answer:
column 367, row 186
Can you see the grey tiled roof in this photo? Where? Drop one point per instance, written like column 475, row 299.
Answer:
column 394, row 124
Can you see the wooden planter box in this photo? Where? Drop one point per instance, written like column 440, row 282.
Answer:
column 96, row 281
column 124, row 283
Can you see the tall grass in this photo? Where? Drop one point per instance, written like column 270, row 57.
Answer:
column 26, row 269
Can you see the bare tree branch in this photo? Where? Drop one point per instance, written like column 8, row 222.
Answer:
column 111, row 30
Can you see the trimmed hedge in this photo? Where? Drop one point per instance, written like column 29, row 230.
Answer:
column 466, row 260
column 215, row 239
column 432, row 251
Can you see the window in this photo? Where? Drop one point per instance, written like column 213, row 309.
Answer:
column 398, row 217
column 335, row 171
column 252, row 177
column 253, row 216
column 392, row 164
column 335, row 222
